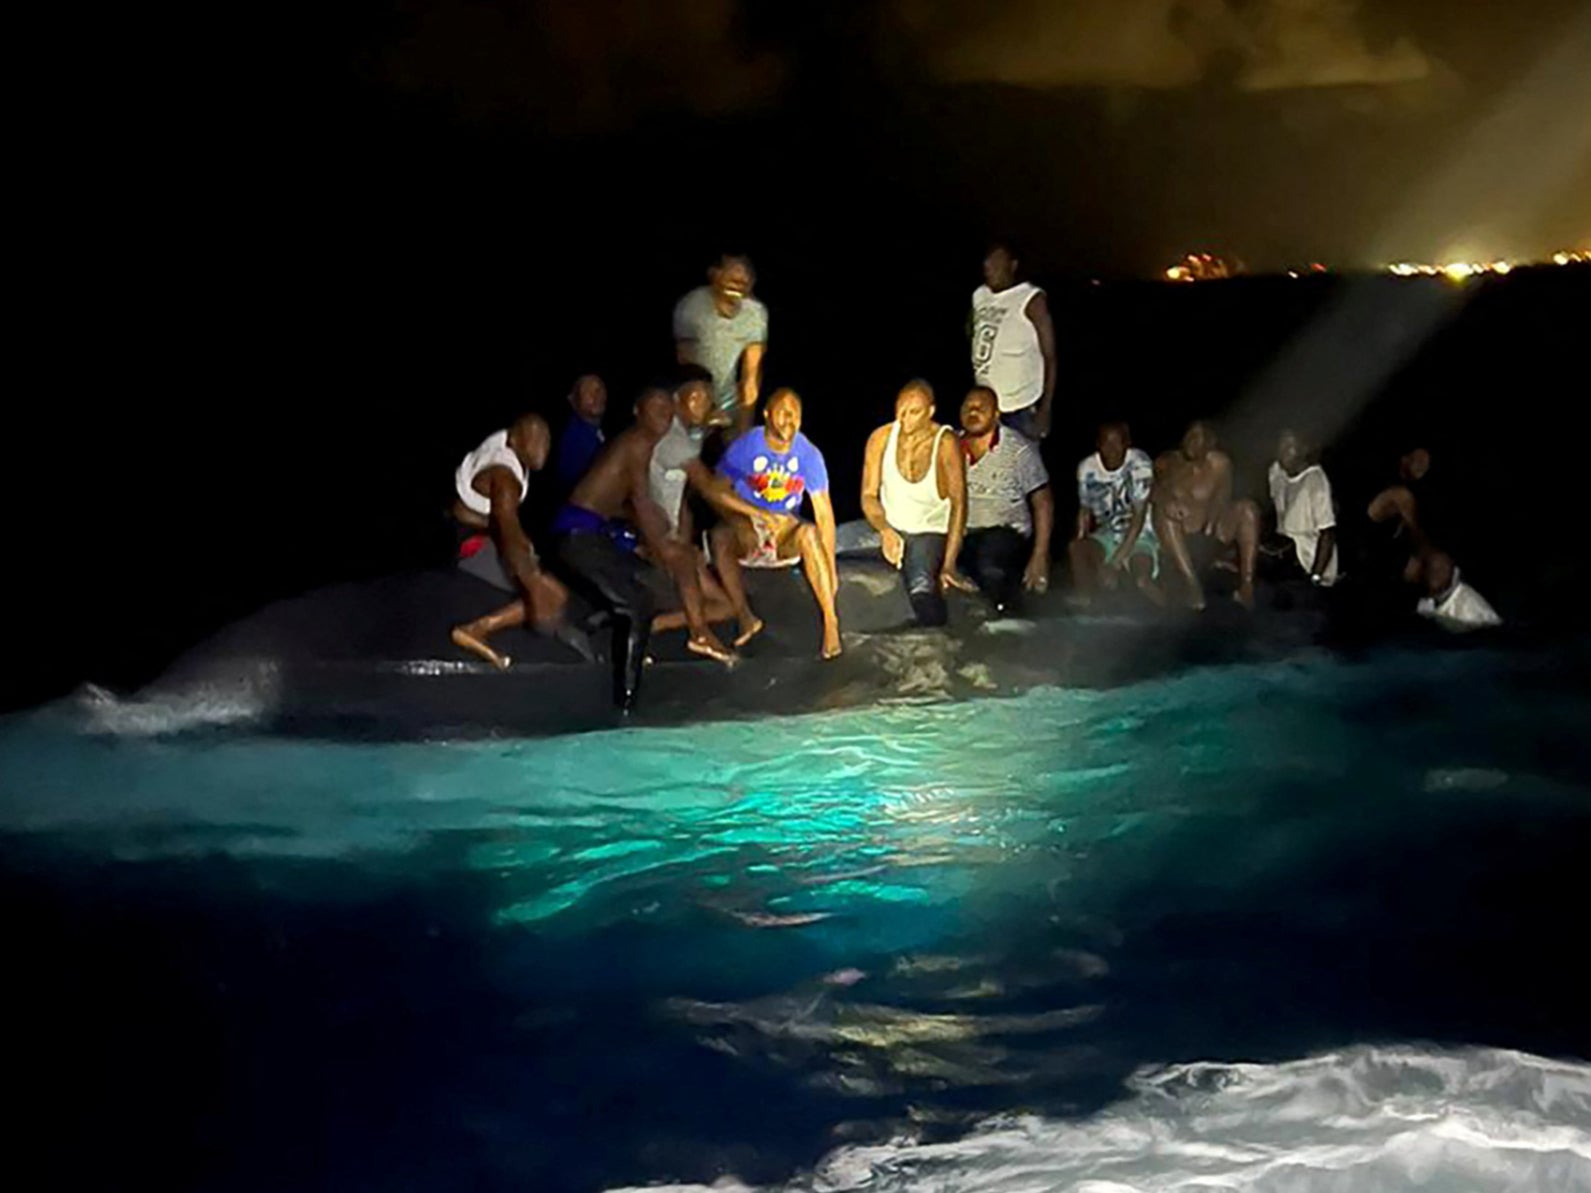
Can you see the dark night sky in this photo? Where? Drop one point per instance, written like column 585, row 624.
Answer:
column 1279, row 130
column 1126, row 130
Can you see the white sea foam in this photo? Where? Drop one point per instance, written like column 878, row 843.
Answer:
column 1364, row 1120
column 231, row 701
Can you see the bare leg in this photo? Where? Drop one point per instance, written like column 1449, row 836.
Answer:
column 682, row 566
column 1242, row 522
column 1087, row 557
column 1175, row 544
column 815, row 563
column 1143, row 575
column 716, row 605
column 727, row 548
column 472, row 637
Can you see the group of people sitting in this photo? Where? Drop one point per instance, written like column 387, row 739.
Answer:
column 968, row 509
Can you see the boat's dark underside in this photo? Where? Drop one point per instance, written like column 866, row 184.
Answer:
column 374, row 660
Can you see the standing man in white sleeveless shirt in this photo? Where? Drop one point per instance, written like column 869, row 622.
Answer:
column 914, row 493
column 1013, row 344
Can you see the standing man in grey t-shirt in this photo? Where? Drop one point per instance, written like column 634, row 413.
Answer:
column 722, row 328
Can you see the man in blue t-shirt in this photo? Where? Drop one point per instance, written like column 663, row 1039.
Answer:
column 776, row 468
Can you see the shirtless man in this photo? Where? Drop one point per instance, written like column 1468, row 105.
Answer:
column 914, row 493
column 489, row 486
column 1405, row 517
column 589, row 546
column 1193, row 496
column 777, row 469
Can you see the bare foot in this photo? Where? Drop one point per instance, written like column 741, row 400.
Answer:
column 1245, row 596
column 831, row 645
column 465, row 639
column 749, row 628
column 710, row 647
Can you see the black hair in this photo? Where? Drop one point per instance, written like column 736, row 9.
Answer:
column 726, row 257
column 1007, row 244
column 1115, row 424
column 688, row 374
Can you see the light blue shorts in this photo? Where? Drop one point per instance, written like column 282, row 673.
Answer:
column 1147, row 545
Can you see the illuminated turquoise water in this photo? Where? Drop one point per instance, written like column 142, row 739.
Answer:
column 672, row 953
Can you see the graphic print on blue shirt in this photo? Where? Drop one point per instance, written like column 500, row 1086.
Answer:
column 775, row 481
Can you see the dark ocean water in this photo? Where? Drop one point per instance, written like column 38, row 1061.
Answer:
column 1304, row 925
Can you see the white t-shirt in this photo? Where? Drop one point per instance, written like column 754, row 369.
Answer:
column 1304, row 509
column 493, row 452
column 1005, row 345
column 1460, row 608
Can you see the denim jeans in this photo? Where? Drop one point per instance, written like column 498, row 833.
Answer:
column 1024, row 421
column 919, row 571
column 995, row 559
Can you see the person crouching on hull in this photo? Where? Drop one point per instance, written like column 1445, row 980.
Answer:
column 1193, row 505
column 593, row 544
column 489, row 486
column 777, row 469
column 1114, row 536
column 1010, row 510
column 914, row 493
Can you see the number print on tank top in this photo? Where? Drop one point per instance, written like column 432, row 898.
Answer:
column 985, row 330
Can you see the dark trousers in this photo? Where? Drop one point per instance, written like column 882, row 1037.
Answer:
column 919, row 571
column 1025, row 421
column 616, row 578
column 995, row 559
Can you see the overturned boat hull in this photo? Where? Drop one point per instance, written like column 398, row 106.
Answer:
column 373, row 660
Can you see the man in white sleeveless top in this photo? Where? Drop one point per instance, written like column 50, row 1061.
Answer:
column 914, row 493
column 488, row 487
column 1013, row 344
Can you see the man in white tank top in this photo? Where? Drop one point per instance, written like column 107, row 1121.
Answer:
column 488, row 487
column 1013, row 344
column 914, row 493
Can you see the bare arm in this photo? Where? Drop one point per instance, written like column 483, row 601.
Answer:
column 685, row 352
column 1085, row 523
column 1043, row 502
column 953, row 481
column 873, row 479
column 890, row 542
column 750, row 387
column 1037, row 576
column 649, row 517
column 720, row 493
column 513, row 544
column 1123, row 551
column 1325, row 548
column 1038, row 313
column 1222, row 497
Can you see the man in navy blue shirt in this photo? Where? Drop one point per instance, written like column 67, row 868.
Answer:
column 581, row 438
